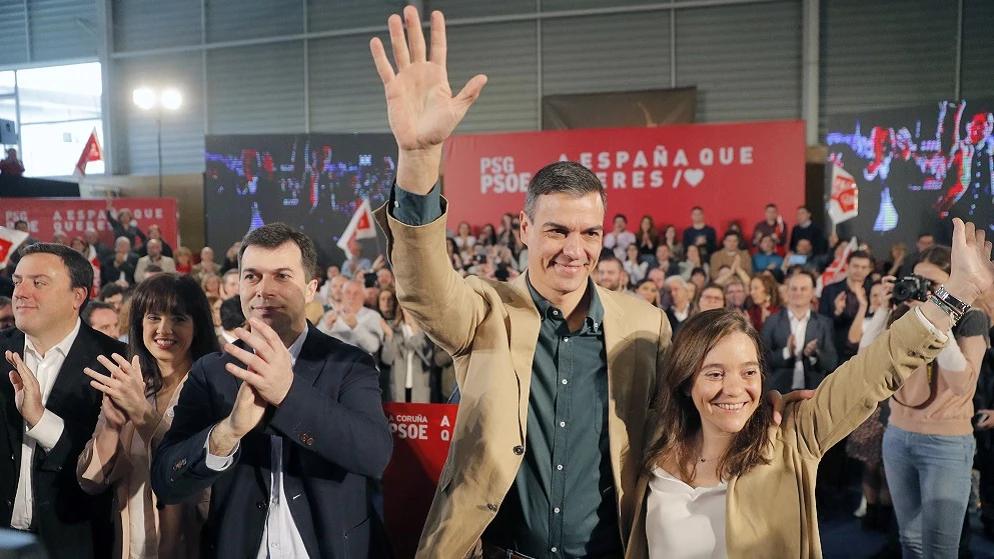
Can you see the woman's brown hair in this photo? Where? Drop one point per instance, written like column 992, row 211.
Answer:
column 674, row 422
column 770, row 285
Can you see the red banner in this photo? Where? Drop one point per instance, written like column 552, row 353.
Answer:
column 421, row 438
column 731, row 170
column 73, row 216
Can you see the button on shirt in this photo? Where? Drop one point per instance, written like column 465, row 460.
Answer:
column 799, row 328
column 280, row 537
column 47, row 431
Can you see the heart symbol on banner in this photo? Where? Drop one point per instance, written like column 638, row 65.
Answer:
column 694, row 176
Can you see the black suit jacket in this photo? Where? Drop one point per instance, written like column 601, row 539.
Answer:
column 776, row 332
column 110, row 272
column 69, row 522
column 335, row 437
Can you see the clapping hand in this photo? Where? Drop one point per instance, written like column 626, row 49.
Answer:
column 810, row 348
column 840, row 303
column 27, row 391
column 270, row 367
column 125, row 386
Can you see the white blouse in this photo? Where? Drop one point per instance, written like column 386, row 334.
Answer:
column 682, row 521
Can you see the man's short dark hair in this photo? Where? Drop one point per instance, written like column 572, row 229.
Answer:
column 110, row 290
column 562, row 177
column 20, row 221
column 622, row 216
column 803, row 272
column 771, row 205
column 859, row 254
column 153, row 268
column 805, row 208
column 231, row 313
column 5, row 301
column 695, row 208
column 93, row 306
column 732, row 233
column 80, row 271
column 923, row 235
column 611, row 258
column 274, row 235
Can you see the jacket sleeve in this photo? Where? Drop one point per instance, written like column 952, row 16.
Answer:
column 847, row 397
column 96, row 472
column 179, row 467
column 350, row 431
column 775, row 347
column 427, row 286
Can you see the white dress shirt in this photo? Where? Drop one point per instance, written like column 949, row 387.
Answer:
column 683, row 521
column 280, row 536
column 367, row 333
column 47, row 431
column 619, row 242
column 799, row 328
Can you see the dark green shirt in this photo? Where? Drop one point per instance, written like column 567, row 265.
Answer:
column 562, row 502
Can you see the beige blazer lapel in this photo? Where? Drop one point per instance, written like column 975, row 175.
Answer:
column 620, row 350
column 524, row 324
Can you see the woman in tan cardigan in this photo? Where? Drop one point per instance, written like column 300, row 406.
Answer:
column 170, row 327
column 719, row 479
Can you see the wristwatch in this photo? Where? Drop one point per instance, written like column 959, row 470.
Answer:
column 947, row 298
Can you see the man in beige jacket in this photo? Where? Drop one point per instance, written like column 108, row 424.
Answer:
column 555, row 373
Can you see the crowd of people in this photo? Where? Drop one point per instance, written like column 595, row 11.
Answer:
column 612, row 383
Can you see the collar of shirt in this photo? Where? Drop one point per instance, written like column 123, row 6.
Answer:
column 595, row 314
column 62, row 347
column 295, row 347
column 793, row 318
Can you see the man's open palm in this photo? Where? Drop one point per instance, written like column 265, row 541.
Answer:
column 420, row 105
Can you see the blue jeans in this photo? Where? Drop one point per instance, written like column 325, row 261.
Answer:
column 929, row 481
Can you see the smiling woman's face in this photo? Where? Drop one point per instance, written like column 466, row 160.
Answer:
column 728, row 387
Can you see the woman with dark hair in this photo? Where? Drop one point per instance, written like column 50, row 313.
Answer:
column 764, row 299
column 169, row 328
column 452, row 250
column 928, row 446
column 487, row 237
column 672, row 240
column 410, row 355
column 718, row 479
column 648, row 237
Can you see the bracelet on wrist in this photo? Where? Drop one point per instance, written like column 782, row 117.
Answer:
column 954, row 314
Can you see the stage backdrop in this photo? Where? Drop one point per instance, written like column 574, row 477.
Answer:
column 731, row 170
column 916, row 169
column 73, row 216
column 313, row 182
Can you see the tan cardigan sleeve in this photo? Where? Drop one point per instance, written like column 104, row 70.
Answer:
column 849, row 395
column 441, row 300
column 95, row 472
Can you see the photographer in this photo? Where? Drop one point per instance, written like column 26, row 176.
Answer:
column 928, row 446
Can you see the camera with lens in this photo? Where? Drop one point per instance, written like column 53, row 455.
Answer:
column 911, row 287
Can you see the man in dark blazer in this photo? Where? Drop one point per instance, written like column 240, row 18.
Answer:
column 285, row 427
column 48, row 407
column 123, row 261
column 799, row 340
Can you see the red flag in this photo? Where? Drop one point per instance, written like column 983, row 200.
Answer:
column 836, row 271
column 359, row 227
column 91, row 152
column 10, row 240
